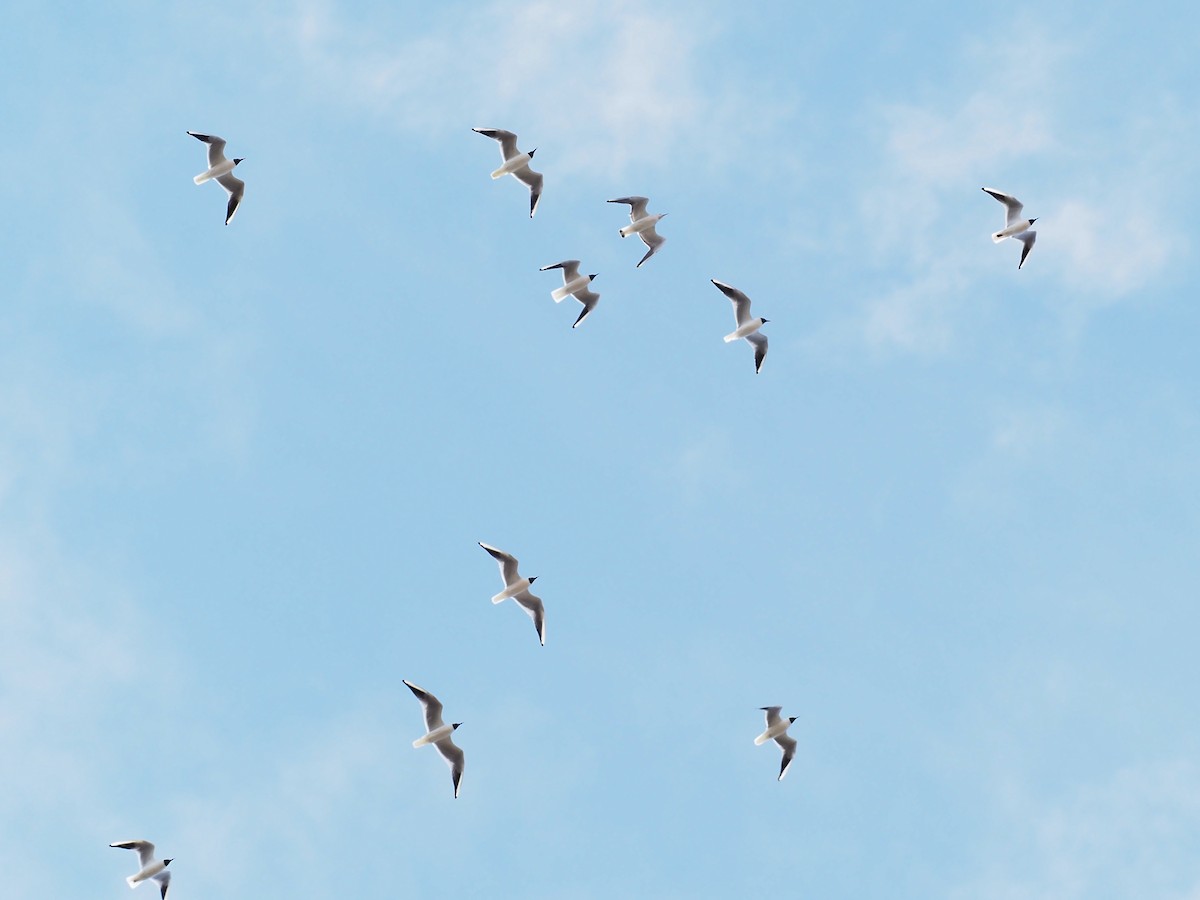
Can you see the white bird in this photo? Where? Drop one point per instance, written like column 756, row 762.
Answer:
column 516, row 163
column 747, row 327
column 152, row 868
column 575, row 285
column 221, row 169
column 438, row 733
column 642, row 224
column 518, row 588
column 777, row 728
column 1014, row 225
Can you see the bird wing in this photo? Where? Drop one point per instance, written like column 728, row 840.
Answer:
column 537, row 612
column 145, row 850
column 741, row 303
column 431, row 704
column 164, row 881
column 653, row 240
column 589, row 299
column 1012, row 204
column 216, row 147
column 772, row 714
column 508, row 562
column 570, row 271
column 1027, row 238
column 526, row 175
column 789, row 752
column 637, row 206
column 508, row 140
column 454, row 758
column 236, row 189
column 759, row 340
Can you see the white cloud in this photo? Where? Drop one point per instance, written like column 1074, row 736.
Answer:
column 614, row 84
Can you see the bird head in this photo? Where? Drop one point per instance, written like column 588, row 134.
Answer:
column 531, row 152
column 236, row 161
column 765, row 321
column 592, row 277
column 533, row 579
column 792, row 719
column 167, row 862
column 455, row 725
column 1031, row 221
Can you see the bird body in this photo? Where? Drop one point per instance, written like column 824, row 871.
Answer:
column 1015, row 226
column 747, row 326
column 518, row 588
column 151, row 868
column 221, row 169
column 439, row 734
column 515, row 163
column 777, row 727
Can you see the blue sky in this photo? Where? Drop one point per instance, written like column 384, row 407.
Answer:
column 951, row 526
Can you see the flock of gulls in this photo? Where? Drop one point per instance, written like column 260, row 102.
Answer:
column 516, row 587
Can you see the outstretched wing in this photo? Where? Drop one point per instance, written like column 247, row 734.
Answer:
column 653, row 240
column 637, row 206
column 526, row 175
column 1027, row 238
column 759, row 341
column 216, row 147
column 741, row 303
column 431, row 705
column 589, row 299
column 164, row 881
column 1011, row 203
column 789, row 752
column 145, row 850
column 508, row 140
column 570, row 271
column 508, row 562
column 537, row 612
column 454, row 758
column 236, row 188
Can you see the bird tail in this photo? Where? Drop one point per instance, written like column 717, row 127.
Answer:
column 560, row 294
column 731, row 337
column 499, row 173
column 131, row 881
column 625, row 231
column 998, row 237
column 761, row 739
column 203, row 177
column 499, row 598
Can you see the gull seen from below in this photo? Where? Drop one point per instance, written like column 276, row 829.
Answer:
column 1014, row 225
column 518, row 588
column 777, row 727
column 151, row 868
column 221, row 169
column 575, row 285
column 642, row 224
column 516, row 163
column 747, row 327
column 438, row 733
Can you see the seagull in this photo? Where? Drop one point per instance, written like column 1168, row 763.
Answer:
column 747, row 327
column 576, row 284
column 642, row 224
column 777, row 730
column 516, row 163
column 439, row 734
column 221, row 169
column 1014, row 225
column 518, row 588
column 151, row 867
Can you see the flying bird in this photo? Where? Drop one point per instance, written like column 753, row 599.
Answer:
column 516, row 163
column 642, row 224
column 438, row 733
column 221, row 169
column 747, row 327
column 518, row 588
column 575, row 285
column 1014, row 225
column 777, row 731
column 151, row 868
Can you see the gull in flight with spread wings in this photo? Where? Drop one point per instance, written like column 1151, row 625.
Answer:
column 221, row 169
column 575, row 285
column 438, row 733
column 1014, row 225
column 516, row 163
column 747, row 327
column 151, row 868
column 518, row 588
column 642, row 224
column 777, row 727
